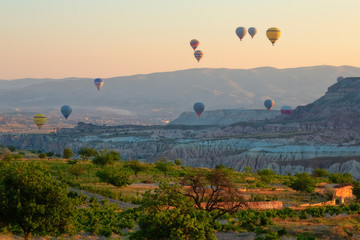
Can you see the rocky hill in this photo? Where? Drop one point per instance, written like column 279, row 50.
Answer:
column 339, row 107
column 322, row 134
column 224, row 117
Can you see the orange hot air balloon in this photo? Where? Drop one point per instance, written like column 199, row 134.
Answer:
column 39, row 120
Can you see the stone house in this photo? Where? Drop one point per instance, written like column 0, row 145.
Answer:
column 340, row 191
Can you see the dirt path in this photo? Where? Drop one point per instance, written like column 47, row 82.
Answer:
column 235, row 236
column 99, row 198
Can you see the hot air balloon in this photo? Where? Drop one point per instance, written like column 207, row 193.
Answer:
column 252, row 31
column 199, row 108
column 194, row 43
column 273, row 34
column 269, row 104
column 286, row 109
column 39, row 120
column 241, row 32
column 198, row 55
column 98, row 83
column 66, row 111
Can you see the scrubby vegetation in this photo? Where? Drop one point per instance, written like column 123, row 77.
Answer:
column 41, row 196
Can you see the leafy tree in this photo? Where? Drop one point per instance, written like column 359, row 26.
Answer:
column 168, row 214
column 68, row 153
column 8, row 158
column 87, row 153
column 136, row 166
column 303, row 182
column 106, row 158
column 42, row 155
column 18, row 156
column 77, row 170
column 114, row 176
column 341, row 178
column 356, row 190
column 248, row 169
column 50, row 154
column 58, row 155
column 214, row 191
column 32, row 200
column 12, row 148
column 178, row 162
column 105, row 219
column 266, row 175
column 320, row 172
column 164, row 166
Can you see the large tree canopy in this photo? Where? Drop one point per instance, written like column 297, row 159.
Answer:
column 32, row 200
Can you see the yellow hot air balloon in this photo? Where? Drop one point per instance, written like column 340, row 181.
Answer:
column 273, row 34
column 39, row 120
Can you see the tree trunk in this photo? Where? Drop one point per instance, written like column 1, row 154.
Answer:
column 27, row 235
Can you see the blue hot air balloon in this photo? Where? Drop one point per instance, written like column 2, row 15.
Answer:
column 98, row 83
column 199, row 108
column 269, row 104
column 66, row 111
column 241, row 32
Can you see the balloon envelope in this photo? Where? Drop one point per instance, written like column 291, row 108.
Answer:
column 98, row 83
column 66, row 111
column 39, row 120
column 199, row 108
column 198, row 55
column 194, row 43
column 252, row 31
column 273, row 34
column 286, row 109
column 241, row 32
column 268, row 104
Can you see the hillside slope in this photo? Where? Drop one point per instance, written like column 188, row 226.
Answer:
column 168, row 94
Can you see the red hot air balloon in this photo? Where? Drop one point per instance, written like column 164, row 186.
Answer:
column 286, row 109
column 194, row 44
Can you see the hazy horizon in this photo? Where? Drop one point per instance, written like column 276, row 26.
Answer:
column 93, row 38
column 179, row 70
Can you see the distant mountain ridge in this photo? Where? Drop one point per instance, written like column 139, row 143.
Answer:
column 166, row 95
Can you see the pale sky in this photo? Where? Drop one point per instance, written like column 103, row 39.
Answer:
column 108, row 38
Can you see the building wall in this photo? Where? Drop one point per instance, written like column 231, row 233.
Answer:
column 343, row 192
column 265, row 205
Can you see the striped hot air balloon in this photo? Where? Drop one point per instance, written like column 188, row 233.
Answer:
column 194, row 44
column 198, row 55
column 286, row 109
column 39, row 120
column 268, row 104
column 98, row 83
column 273, row 34
column 199, row 108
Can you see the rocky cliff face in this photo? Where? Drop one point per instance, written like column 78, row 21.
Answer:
column 338, row 108
column 322, row 134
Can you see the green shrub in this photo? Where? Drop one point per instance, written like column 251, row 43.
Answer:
column 114, row 176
